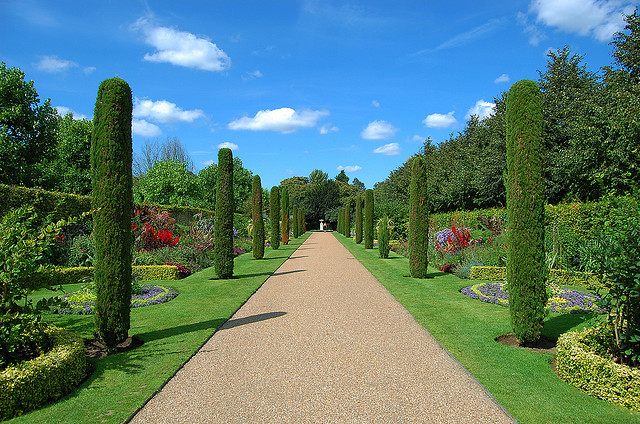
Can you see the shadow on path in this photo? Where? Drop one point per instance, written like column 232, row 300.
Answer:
column 180, row 329
column 289, row 272
column 251, row 319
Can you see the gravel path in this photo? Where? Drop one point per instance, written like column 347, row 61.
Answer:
column 322, row 342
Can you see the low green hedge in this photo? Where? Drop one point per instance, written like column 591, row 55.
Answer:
column 30, row 384
column 580, row 366
column 561, row 277
column 74, row 275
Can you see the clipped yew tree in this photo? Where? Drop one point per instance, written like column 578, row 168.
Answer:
column 257, row 246
column 274, row 217
column 418, row 219
column 284, row 206
column 358, row 219
column 223, row 221
column 368, row 219
column 526, row 268
column 383, row 237
column 347, row 219
column 111, row 181
column 303, row 221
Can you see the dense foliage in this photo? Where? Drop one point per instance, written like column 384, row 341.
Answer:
column 418, row 220
column 368, row 219
column 274, row 217
column 359, row 219
column 383, row 237
column 111, row 180
column 258, row 222
column 284, row 210
column 526, row 266
column 224, row 215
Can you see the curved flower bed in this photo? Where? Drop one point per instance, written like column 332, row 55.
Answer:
column 565, row 302
column 82, row 302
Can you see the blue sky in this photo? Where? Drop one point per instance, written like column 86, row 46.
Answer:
column 294, row 86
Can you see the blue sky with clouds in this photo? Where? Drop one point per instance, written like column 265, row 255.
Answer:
column 294, row 86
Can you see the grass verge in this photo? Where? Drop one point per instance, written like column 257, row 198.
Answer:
column 522, row 381
column 172, row 333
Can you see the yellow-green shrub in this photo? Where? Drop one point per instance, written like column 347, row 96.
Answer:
column 561, row 277
column 580, row 366
column 33, row 383
column 74, row 275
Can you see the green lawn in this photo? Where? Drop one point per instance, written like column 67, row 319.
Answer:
column 172, row 332
column 522, row 381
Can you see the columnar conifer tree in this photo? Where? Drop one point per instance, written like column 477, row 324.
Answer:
column 526, row 270
column 284, row 206
column 358, row 219
column 347, row 219
column 223, row 221
column 303, row 221
column 258, row 223
column 111, row 156
column 418, row 219
column 295, row 222
column 274, row 217
column 383, row 237
column 368, row 219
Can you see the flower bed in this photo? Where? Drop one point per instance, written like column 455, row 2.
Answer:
column 566, row 301
column 82, row 302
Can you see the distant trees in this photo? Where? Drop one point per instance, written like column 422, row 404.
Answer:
column 418, row 220
column 274, row 217
column 295, row 222
column 223, row 221
column 155, row 151
column 169, row 182
column 111, row 155
column 258, row 223
column 526, row 267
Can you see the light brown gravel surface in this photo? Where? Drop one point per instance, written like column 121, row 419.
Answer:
column 322, row 342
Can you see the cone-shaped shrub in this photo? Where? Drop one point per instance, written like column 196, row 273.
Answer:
column 284, row 206
column 111, row 181
column 223, row 222
column 368, row 219
column 274, row 217
column 347, row 219
column 383, row 237
column 257, row 246
column 526, row 269
column 303, row 221
column 295, row 222
column 418, row 220
column 358, row 219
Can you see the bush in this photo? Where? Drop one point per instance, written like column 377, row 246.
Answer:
column 50, row 376
column 274, row 217
column 580, row 365
column 383, row 237
column 418, row 220
column 224, row 215
column 368, row 219
column 258, row 222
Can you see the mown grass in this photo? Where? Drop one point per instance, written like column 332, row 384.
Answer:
column 172, row 333
column 522, row 381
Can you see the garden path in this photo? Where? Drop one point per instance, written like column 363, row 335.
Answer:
column 322, row 341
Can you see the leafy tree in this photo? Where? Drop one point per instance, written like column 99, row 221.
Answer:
column 223, row 225
column 274, row 217
column 156, row 151
column 318, row 177
column 342, row 177
column 526, row 268
column 358, row 184
column 321, row 197
column 242, row 184
column 284, row 210
column 418, row 220
column 358, row 220
column 27, row 130
column 347, row 219
column 112, row 203
column 171, row 183
column 258, row 223
column 368, row 219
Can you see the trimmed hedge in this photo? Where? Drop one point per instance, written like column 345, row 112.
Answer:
column 30, row 384
column 72, row 275
column 560, row 276
column 580, row 366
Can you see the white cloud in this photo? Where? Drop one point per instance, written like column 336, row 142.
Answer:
column 599, row 19
column 535, row 35
column 328, row 128
column 228, row 145
column 89, row 70
column 252, row 75
column 63, row 110
column 481, row 109
column 438, row 120
column 284, row 120
column 379, row 130
column 145, row 129
column 208, row 162
column 466, row 37
column 349, row 168
column 502, row 78
column 375, row 103
column 53, row 64
column 164, row 111
column 418, row 138
column 182, row 48
column 390, row 149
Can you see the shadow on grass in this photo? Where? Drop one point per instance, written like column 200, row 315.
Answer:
column 181, row 329
column 251, row 319
column 557, row 325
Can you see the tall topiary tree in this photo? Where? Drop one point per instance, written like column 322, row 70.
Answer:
column 258, row 223
column 368, row 219
column 418, row 219
column 111, row 156
column 383, row 237
column 526, row 269
column 284, row 206
column 358, row 219
column 347, row 219
column 223, row 223
column 274, row 217
column 294, row 224
column 303, row 221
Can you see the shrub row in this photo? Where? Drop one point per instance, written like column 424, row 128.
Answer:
column 580, row 366
column 33, row 383
column 560, row 276
column 76, row 274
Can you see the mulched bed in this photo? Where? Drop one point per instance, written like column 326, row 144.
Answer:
column 95, row 349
